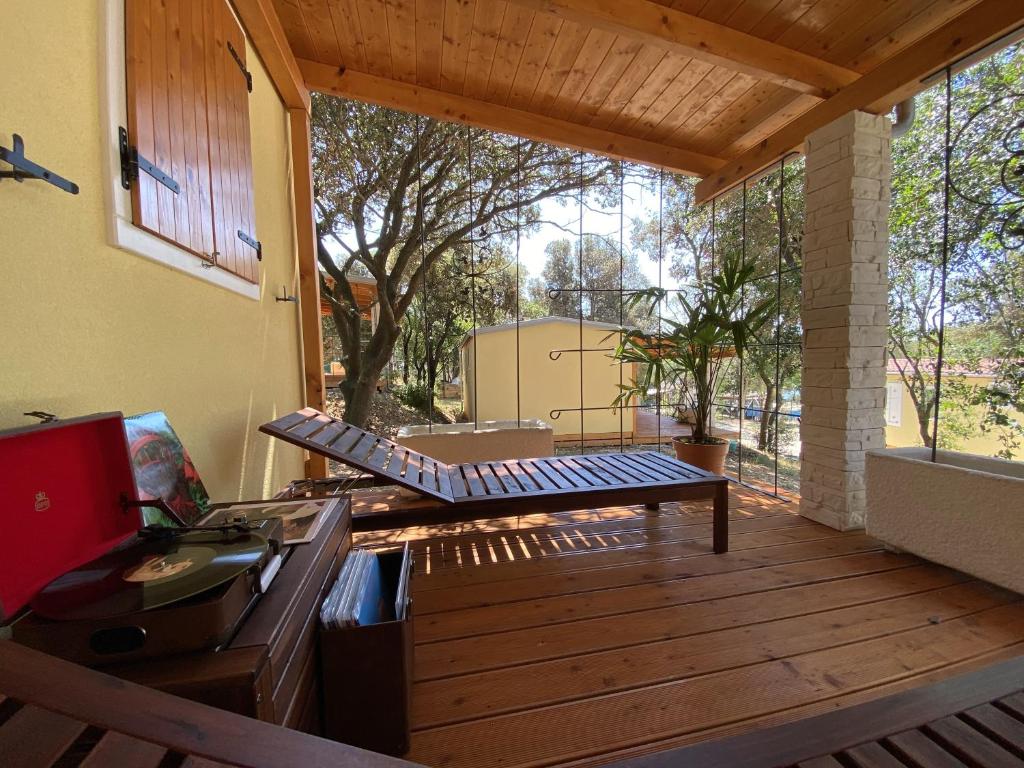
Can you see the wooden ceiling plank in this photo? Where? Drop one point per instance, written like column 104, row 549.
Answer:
column 619, row 60
column 317, row 15
column 791, row 107
column 429, row 30
column 812, row 25
column 748, row 17
column 487, row 22
column 857, row 37
column 583, row 70
column 373, row 21
column 781, row 18
column 913, row 29
column 627, row 87
column 571, row 37
column 714, row 43
column 712, row 82
column 736, row 119
column 541, row 39
column 720, row 10
column 261, row 23
column 986, row 21
column 663, row 75
column 482, row 114
column 508, row 54
column 401, row 16
column 854, row 21
column 290, row 15
column 345, row 16
column 458, row 28
column 714, row 108
column 685, row 81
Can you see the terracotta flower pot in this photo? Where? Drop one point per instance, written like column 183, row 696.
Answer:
column 709, row 456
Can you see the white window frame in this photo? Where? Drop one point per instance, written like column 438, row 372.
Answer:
column 121, row 230
column 893, row 400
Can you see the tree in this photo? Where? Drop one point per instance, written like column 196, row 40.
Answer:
column 395, row 193
column 600, row 279
column 438, row 321
column 984, row 283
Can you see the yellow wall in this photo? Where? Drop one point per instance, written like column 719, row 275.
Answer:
column 908, row 433
column 545, row 384
column 88, row 327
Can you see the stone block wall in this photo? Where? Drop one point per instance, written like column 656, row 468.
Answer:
column 844, row 313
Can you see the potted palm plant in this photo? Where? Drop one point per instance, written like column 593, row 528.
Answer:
column 704, row 330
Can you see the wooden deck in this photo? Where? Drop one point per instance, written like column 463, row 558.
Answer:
column 577, row 638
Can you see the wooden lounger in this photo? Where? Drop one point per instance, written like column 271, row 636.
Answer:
column 505, row 488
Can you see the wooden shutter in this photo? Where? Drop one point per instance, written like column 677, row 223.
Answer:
column 188, row 114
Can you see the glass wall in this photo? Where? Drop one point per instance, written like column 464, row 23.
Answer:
column 955, row 377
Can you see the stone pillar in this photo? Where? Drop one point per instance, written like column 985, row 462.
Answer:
column 844, row 314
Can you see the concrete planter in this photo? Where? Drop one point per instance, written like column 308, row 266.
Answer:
column 486, row 441
column 964, row 511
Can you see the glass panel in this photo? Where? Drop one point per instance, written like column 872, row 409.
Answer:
column 762, row 225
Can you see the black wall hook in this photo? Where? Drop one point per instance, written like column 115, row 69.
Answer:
column 26, row 169
column 285, row 296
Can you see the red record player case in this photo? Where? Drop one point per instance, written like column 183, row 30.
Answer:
column 61, row 490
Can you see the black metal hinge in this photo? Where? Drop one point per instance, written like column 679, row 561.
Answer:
column 252, row 242
column 26, row 169
column 132, row 162
column 241, row 65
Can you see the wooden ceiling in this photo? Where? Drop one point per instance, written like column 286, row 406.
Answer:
column 705, row 87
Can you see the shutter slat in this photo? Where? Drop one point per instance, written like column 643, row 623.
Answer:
column 139, row 65
column 175, row 120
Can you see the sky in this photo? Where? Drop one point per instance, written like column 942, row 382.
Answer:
column 639, row 202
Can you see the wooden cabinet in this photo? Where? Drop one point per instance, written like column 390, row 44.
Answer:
column 270, row 670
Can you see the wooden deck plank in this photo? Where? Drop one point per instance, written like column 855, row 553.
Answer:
column 557, row 733
column 566, row 578
column 933, row 596
column 527, row 655
column 608, row 519
column 577, row 538
column 465, row 622
column 867, row 580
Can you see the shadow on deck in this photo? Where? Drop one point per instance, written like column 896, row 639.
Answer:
column 586, row 636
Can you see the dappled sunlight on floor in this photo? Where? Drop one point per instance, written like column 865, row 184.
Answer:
column 580, row 636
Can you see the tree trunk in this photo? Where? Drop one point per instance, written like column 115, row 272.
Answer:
column 924, row 423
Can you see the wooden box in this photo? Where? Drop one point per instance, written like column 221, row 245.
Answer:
column 367, row 671
column 270, row 669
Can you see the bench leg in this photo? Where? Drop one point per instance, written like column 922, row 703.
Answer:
column 653, row 507
column 720, row 525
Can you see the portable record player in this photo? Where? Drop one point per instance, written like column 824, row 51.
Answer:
column 80, row 579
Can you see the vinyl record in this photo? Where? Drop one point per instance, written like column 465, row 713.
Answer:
column 149, row 574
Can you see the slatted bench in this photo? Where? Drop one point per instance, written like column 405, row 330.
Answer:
column 54, row 713
column 503, row 488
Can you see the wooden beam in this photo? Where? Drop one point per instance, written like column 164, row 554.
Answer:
column 975, row 27
column 309, row 275
column 701, row 39
column 494, row 117
column 264, row 29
